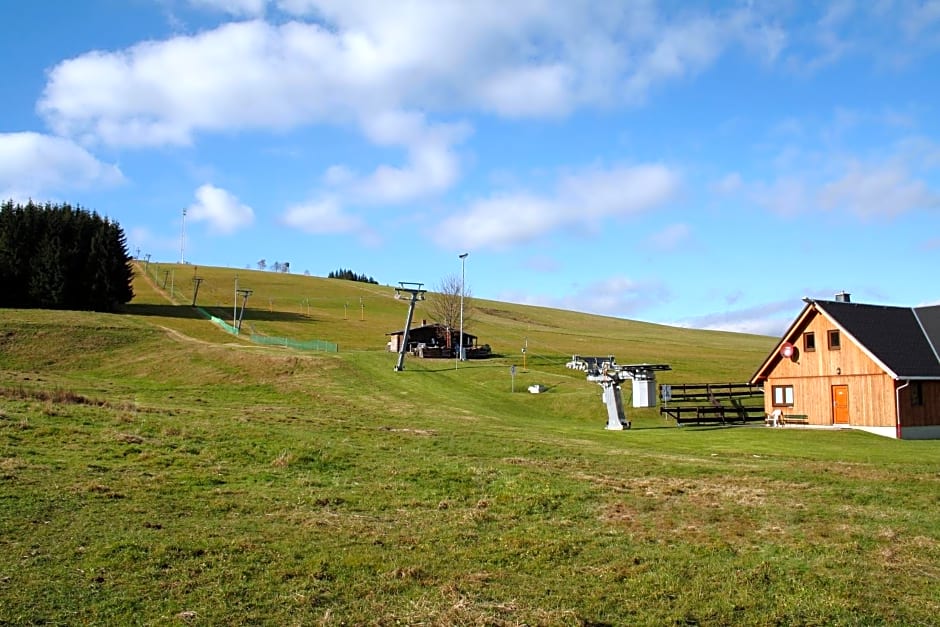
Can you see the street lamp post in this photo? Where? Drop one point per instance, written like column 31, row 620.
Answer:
column 461, row 356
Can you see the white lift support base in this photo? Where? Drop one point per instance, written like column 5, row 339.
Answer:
column 610, row 375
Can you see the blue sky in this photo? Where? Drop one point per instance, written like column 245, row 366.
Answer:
column 695, row 164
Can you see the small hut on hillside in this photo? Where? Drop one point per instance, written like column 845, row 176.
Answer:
column 436, row 340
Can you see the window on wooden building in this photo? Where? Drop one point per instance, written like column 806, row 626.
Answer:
column 834, row 340
column 809, row 341
column 917, row 394
column 783, row 395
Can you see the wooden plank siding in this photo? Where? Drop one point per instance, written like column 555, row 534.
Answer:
column 848, row 359
column 871, row 399
column 812, row 373
column 925, row 414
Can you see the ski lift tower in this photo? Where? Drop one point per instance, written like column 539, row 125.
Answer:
column 244, row 293
column 610, row 375
column 417, row 293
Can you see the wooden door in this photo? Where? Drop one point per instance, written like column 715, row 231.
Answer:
column 840, row 404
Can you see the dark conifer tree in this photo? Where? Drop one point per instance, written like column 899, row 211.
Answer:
column 349, row 275
column 57, row 256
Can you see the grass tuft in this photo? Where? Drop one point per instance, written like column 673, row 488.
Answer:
column 283, row 459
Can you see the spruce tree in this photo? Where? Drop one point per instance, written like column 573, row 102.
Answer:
column 57, row 256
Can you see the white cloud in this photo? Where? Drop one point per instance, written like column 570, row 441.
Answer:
column 766, row 319
column 529, row 91
column 432, row 165
column 339, row 60
column 375, row 65
column 920, row 150
column 921, row 17
column 150, row 243
column 322, row 217
column 32, row 165
column 617, row 296
column 223, row 211
column 240, row 75
column 543, row 264
column 786, row 195
column 338, row 175
column 729, row 184
column 671, row 237
column 889, row 33
column 532, row 58
column 612, row 296
column 681, row 49
column 880, row 190
column 867, row 190
column 498, row 221
column 583, row 199
column 240, row 8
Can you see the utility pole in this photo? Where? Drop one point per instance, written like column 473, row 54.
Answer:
column 461, row 355
column 245, row 294
column 196, row 281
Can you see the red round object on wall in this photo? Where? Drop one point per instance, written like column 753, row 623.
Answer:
column 786, row 350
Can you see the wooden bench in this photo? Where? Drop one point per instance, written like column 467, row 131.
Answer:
column 794, row 419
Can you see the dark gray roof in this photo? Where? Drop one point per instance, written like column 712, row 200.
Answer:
column 433, row 326
column 904, row 339
column 930, row 319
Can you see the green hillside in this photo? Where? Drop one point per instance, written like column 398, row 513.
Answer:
column 357, row 316
column 155, row 469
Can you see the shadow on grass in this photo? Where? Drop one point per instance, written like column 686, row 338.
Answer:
column 650, row 428
column 448, row 363
column 474, row 364
column 715, row 427
column 191, row 313
column 493, row 361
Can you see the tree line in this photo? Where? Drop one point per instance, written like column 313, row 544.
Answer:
column 277, row 266
column 349, row 275
column 57, row 256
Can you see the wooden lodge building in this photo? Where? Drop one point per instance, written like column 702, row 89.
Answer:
column 435, row 340
column 868, row 367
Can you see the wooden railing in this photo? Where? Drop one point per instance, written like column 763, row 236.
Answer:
column 712, row 402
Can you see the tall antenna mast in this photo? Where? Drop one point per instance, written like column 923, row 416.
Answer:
column 182, row 234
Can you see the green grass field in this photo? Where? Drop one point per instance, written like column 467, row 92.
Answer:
column 156, row 470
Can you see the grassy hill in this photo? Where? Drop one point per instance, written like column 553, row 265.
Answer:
column 157, row 470
column 357, row 316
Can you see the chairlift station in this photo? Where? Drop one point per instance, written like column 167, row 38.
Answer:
column 610, row 375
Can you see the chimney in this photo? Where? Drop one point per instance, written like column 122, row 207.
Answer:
column 843, row 297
